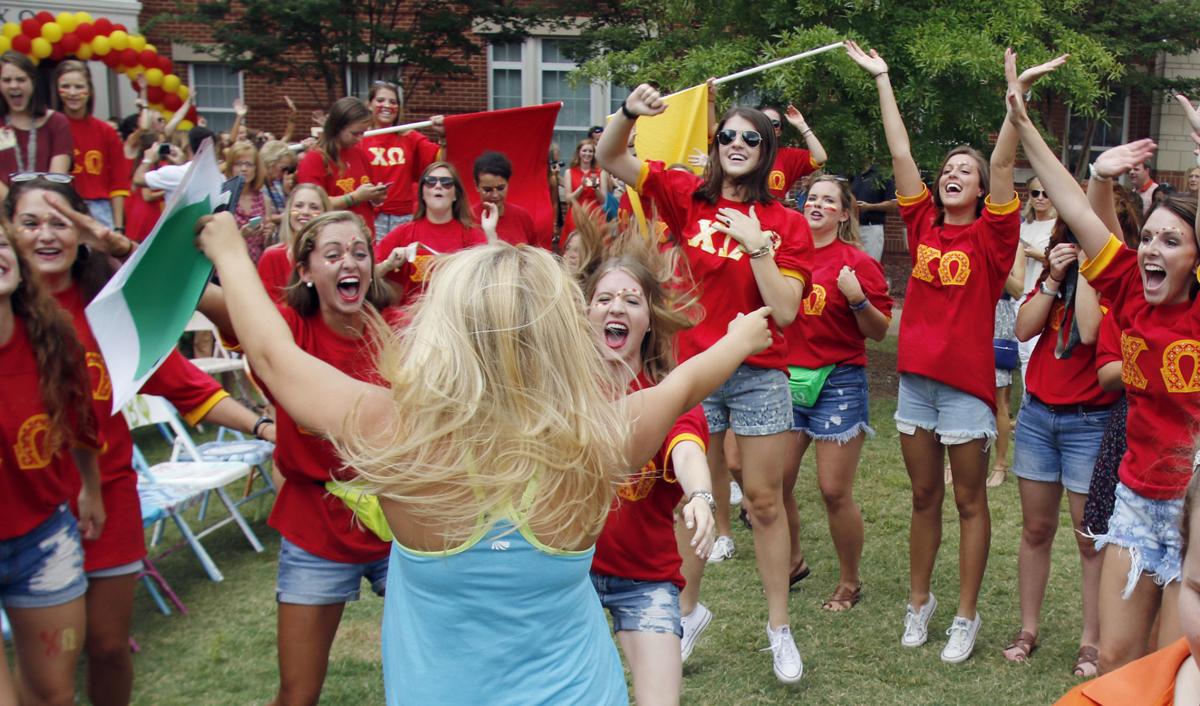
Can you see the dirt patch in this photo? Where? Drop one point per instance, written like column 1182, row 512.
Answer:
column 882, row 378
column 897, row 267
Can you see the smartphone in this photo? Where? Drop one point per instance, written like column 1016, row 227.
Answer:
column 255, row 222
column 164, row 150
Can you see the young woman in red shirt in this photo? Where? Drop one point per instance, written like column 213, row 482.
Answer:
column 71, row 253
column 962, row 238
column 396, row 158
column 827, row 355
column 340, row 165
column 47, row 430
column 584, row 184
column 40, row 138
column 792, row 163
column 1153, row 293
column 306, row 202
column 102, row 172
column 744, row 250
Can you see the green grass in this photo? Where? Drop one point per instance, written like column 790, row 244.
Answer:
column 223, row 652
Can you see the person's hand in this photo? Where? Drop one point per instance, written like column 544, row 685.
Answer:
column 267, row 432
column 202, row 121
column 491, row 218
column 249, row 230
column 439, row 124
column 849, row 286
column 712, row 89
column 698, row 158
column 371, row 192
column 1029, row 76
column 310, row 143
column 871, row 62
column 176, row 156
column 151, row 152
column 318, row 117
column 1061, row 257
column 291, row 105
column 698, row 516
column 1115, row 161
column 1189, row 110
column 752, row 330
column 1015, row 95
column 645, row 100
column 91, row 514
column 742, row 227
column 94, row 234
column 218, row 237
column 795, row 118
column 239, row 107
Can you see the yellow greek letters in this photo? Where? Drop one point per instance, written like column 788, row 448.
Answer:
column 814, row 303
column 421, row 265
column 1131, row 348
column 346, row 185
column 1172, row 368
column 947, row 273
column 775, row 181
column 101, row 383
column 30, row 449
column 925, row 255
column 389, row 157
column 640, row 484
column 93, row 162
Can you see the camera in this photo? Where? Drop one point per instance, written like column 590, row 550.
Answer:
column 164, row 150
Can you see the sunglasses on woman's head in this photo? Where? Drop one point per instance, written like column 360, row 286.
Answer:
column 55, row 177
column 750, row 137
column 1036, row 193
column 434, row 180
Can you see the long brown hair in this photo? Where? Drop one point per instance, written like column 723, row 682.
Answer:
column 304, row 299
column 461, row 209
column 754, row 183
column 37, row 103
column 72, row 66
column 61, row 363
column 985, row 180
column 342, row 114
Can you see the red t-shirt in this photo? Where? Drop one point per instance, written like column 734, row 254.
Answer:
column 445, row 238
column 101, row 169
column 515, row 226
column 275, row 270
column 950, row 306
column 791, row 163
column 398, row 159
column 33, row 481
column 141, row 215
column 53, row 139
column 187, row 387
column 719, row 266
column 1108, row 342
column 1064, row 381
column 355, row 173
column 638, row 541
column 1160, row 366
column 825, row 330
column 304, row 512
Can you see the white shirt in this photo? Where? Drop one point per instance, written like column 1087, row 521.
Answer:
column 1035, row 236
column 167, row 178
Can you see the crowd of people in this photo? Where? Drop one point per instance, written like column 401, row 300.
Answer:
column 511, row 432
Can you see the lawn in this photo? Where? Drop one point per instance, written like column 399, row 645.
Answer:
column 223, row 651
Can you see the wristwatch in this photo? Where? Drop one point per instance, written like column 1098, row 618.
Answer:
column 1047, row 292
column 707, row 497
column 1096, row 175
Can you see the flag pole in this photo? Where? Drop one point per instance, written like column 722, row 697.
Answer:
column 398, row 128
column 778, row 62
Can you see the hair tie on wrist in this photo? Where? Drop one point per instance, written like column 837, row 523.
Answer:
column 627, row 113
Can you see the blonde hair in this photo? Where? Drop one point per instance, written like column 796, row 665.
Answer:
column 286, row 236
column 847, row 230
column 1027, row 214
column 276, row 151
column 497, row 385
column 239, row 149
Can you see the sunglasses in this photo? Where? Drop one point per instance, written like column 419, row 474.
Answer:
column 750, row 137
column 1036, row 193
column 55, row 177
column 775, row 124
column 288, row 170
column 435, row 180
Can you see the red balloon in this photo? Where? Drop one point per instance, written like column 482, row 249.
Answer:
column 43, row 17
column 120, row 27
column 103, row 26
column 192, row 114
column 57, row 53
column 22, row 44
column 69, row 43
column 167, row 66
column 31, row 28
column 172, row 102
column 129, row 58
column 86, row 32
column 111, row 59
column 155, row 94
column 149, row 59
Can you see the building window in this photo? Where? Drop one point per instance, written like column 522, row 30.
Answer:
column 1111, row 130
column 359, row 80
column 216, row 87
column 507, row 66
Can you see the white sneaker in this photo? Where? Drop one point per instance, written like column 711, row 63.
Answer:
column 786, row 658
column 916, row 623
column 735, row 494
column 693, row 627
column 722, row 549
column 962, row 634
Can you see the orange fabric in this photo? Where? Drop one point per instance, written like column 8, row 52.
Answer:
column 1149, row 681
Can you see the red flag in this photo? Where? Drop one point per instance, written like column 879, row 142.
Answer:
column 523, row 135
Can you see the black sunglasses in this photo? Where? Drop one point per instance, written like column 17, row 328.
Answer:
column 1036, row 193
column 775, row 124
column 750, row 137
column 435, row 180
column 288, row 170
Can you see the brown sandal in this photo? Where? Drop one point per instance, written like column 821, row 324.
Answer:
column 1024, row 644
column 843, row 599
column 1087, row 664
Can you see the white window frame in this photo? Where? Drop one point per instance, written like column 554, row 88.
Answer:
column 241, row 79
column 1069, row 147
column 348, row 76
column 531, row 67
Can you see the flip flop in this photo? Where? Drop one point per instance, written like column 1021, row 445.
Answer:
column 800, row 575
column 842, row 599
column 1089, row 657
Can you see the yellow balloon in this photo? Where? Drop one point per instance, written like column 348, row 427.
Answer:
column 52, row 32
column 41, row 48
column 137, row 42
column 154, row 77
column 81, row 17
column 186, row 125
column 171, row 83
column 101, row 46
column 84, row 52
column 10, row 29
column 5, row 44
column 119, row 40
column 67, row 21
column 152, row 48
column 182, row 92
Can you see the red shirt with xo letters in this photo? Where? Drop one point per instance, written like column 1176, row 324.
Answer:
column 950, row 306
column 826, row 331
column 34, row 481
column 398, row 159
column 1065, row 381
column 444, row 238
column 101, row 170
column 1160, row 366
column 355, row 172
column 791, row 164
column 275, row 270
column 719, row 266
column 638, row 541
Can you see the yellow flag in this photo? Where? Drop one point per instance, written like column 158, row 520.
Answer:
column 673, row 136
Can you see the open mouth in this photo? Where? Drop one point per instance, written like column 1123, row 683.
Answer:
column 1154, row 276
column 815, row 214
column 615, row 335
column 953, row 188
column 48, row 253
column 349, row 287
column 737, row 157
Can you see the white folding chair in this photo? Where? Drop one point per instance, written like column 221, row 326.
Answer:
column 222, row 360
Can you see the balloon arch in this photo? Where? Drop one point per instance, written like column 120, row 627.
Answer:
column 77, row 35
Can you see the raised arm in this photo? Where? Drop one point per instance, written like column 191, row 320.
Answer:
column 613, row 151
column 796, row 119
column 317, row 395
column 908, row 177
column 178, row 117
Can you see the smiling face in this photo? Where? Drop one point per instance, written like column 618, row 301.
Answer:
column 620, row 315
column 17, row 87
column 10, row 274
column 438, row 198
column 1167, row 258
column 738, row 158
column 824, row 209
column 587, row 153
column 339, row 268
column 385, row 106
column 960, row 184
column 73, row 92
column 49, row 243
column 353, row 133
column 306, row 205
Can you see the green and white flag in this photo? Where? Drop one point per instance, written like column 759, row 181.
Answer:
column 140, row 314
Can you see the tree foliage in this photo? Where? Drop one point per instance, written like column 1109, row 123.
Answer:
column 945, row 58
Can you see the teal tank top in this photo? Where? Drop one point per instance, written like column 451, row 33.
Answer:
column 502, row 619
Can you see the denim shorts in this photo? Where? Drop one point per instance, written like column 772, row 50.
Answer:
column 387, row 222
column 1149, row 530
column 307, row 579
column 101, row 210
column 44, row 567
column 1057, row 448
column 841, row 412
column 753, row 401
column 639, row 606
column 955, row 416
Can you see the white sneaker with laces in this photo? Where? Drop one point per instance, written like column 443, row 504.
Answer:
column 735, row 494
column 916, row 623
column 722, row 549
column 693, row 628
column 785, row 657
column 962, row 634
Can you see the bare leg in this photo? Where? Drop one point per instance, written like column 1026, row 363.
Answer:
column 1003, row 433
column 837, row 465
column 305, row 635
column 654, row 661
column 720, row 481
column 1039, row 513
column 1169, row 627
column 923, row 459
column 47, row 643
column 969, row 464
column 8, row 689
column 692, row 569
column 109, row 620
column 1090, row 563
column 798, row 443
column 1124, row 623
column 764, row 467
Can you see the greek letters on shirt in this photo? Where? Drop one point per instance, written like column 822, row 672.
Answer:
column 101, row 383
column 92, row 162
column 1173, row 356
column 775, row 180
column 640, row 484
column 729, row 248
column 347, row 184
column 386, row 156
column 953, row 266
column 814, row 303
column 31, row 448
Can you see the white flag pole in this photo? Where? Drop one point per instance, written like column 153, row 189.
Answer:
column 399, row 128
column 777, row 62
